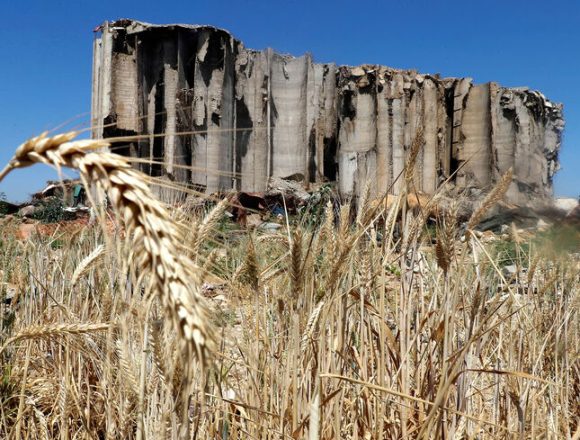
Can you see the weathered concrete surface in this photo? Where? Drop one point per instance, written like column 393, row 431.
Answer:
column 217, row 115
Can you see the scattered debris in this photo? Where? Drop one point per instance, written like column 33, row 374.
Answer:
column 291, row 189
column 70, row 191
column 573, row 217
column 509, row 271
column 253, row 221
column 57, row 201
column 28, row 211
column 566, row 204
column 270, row 227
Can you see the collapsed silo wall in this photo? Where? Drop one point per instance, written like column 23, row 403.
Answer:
column 208, row 112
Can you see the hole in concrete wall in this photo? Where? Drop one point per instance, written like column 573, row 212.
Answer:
column 151, row 64
column 367, row 85
column 184, row 124
column 159, row 127
column 330, row 162
column 122, row 43
column 244, row 125
column 348, row 109
column 214, row 58
column 127, row 149
column 449, row 101
column 187, row 55
column 312, row 156
column 144, row 150
column 449, row 109
column 273, row 119
column 510, row 113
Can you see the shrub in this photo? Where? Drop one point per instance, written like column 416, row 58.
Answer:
column 51, row 210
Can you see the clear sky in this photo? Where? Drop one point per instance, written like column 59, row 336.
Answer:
column 46, row 50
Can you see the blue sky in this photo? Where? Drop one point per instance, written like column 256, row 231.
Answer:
column 46, row 49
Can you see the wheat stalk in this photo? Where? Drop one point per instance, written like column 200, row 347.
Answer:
column 248, row 272
column 86, row 263
column 494, row 196
column 157, row 348
column 295, row 268
column 445, row 246
column 46, row 331
column 155, row 238
column 310, row 327
column 130, row 381
column 43, row 425
column 418, row 142
column 203, row 230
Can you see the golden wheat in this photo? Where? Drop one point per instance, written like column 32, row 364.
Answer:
column 380, row 346
column 494, row 196
column 86, row 263
column 49, row 331
column 154, row 236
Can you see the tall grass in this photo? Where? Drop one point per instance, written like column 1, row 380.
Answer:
column 353, row 327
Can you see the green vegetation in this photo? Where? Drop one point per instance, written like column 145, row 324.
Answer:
column 51, row 210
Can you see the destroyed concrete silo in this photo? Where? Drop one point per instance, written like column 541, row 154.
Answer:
column 212, row 114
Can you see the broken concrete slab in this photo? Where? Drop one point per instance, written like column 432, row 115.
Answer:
column 566, row 204
column 28, row 211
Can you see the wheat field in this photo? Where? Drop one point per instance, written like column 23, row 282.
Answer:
column 163, row 322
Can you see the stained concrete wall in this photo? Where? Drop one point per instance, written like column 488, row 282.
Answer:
column 216, row 115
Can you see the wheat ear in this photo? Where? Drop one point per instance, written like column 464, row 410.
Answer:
column 86, row 263
column 445, row 247
column 47, row 331
column 296, row 266
column 209, row 223
column 155, row 238
column 310, row 327
column 494, row 196
column 418, row 142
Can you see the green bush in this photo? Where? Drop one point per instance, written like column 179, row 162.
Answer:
column 51, row 210
column 3, row 208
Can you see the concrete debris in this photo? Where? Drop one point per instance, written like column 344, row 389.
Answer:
column 253, row 220
column 70, row 191
column 75, row 209
column 566, row 204
column 525, row 218
column 542, row 225
column 248, row 208
column 270, row 226
column 573, row 217
column 28, row 211
column 250, row 115
column 243, row 204
column 510, row 271
column 288, row 188
column 486, row 236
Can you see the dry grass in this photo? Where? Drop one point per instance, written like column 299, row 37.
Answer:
column 344, row 330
